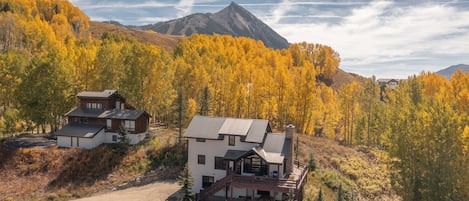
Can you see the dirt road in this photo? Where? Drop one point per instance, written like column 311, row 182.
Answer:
column 158, row 191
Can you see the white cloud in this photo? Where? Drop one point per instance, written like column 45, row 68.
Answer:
column 184, row 7
column 386, row 35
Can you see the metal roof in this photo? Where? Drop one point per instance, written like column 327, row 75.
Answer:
column 79, row 130
column 121, row 114
column 233, row 126
column 258, row 130
column 96, row 94
column 205, row 127
column 251, row 130
column 84, row 112
column 274, row 142
column 269, row 157
column 106, row 114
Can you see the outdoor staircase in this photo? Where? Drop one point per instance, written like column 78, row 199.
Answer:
column 217, row 186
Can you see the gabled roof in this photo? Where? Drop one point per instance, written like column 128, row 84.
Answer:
column 106, row 114
column 97, row 94
column 274, row 142
column 251, row 130
column 80, row 130
column 269, row 157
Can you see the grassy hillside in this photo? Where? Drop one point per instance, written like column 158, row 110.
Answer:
column 148, row 37
column 362, row 173
column 61, row 174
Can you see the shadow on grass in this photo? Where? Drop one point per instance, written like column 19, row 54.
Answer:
column 86, row 167
column 5, row 154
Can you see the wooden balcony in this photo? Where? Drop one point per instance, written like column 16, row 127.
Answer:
column 294, row 184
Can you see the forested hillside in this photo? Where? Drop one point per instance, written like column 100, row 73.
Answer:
column 47, row 56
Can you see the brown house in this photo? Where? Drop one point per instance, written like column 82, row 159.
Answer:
column 98, row 118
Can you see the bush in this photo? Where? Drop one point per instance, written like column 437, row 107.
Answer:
column 336, row 181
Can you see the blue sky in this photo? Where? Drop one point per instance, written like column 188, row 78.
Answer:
column 389, row 39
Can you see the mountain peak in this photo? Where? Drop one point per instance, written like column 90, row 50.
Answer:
column 233, row 20
column 448, row 72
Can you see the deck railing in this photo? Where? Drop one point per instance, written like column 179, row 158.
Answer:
column 284, row 185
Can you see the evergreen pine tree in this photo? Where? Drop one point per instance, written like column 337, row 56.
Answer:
column 320, row 195
column 340, row 194
column 311, row 162
column 186, row 182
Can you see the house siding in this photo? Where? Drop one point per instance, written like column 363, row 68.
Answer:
column 212, row 148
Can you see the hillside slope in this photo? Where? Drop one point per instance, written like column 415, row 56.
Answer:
column 448, row 72
column 167, row 41
column 233, row 20
column 363, row 173
column 62, row 174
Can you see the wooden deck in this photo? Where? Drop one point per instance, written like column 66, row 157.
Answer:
column 293, row 184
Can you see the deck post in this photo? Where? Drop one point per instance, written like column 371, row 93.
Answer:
column 252, row 197
column 231, row 192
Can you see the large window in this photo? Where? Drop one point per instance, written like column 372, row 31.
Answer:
column 201, row 159
column 129, row 125
column 231, row 140
column 254, row 164
column 207, row 181
column 220, row 164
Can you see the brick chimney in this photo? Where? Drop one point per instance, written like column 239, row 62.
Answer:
column 290, row 135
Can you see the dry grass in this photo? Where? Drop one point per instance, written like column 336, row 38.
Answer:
column 167, row 41
column 61, row 173
column 362, row 172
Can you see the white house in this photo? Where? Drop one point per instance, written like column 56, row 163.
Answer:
column 98, row 118
column 242, row 158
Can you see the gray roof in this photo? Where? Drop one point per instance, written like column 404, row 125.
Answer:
column 105, row 114
column 121, row 114
column 84, row 112
column 257, row 131
column 234, row 154
column 274, row 142
column 233, row 126
column 251, row 130
column 96, row 94
column 80, row 130
column 204, row 127
column 269, row 157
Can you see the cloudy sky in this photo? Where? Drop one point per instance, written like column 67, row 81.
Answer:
column 389, row 39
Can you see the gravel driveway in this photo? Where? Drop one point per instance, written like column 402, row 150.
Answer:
column 158, row 191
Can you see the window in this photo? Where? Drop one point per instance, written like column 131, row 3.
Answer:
column 99, row 106
column 207, row 181
column 108, row 123
column 231, row 140
column 129, row 125
column 88, row 105
column 201, row 159
column 253, row 164
column 220, row 163
column 93, row 105
column 200, row 140
column 114, row 138
column 118, row 105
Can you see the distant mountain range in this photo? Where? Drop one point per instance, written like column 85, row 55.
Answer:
column 448, row 72
column 233, row 20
